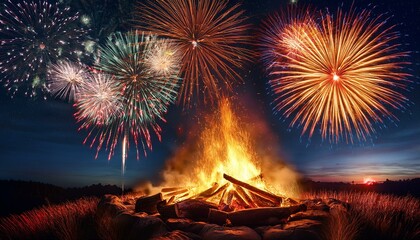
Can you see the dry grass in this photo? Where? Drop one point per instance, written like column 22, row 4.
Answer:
column 106, row 228
column 373, row 216
column 66, row 221
column 342, row 226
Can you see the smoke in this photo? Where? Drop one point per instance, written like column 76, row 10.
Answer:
column 278, row 173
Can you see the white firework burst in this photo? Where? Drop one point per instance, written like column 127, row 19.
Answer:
column 100, row 101
column 163, row 58
column 65, row 79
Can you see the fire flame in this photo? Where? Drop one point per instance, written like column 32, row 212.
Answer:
column 227, row 145
column 227, row 149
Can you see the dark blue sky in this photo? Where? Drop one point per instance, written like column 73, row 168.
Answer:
column 39, row 139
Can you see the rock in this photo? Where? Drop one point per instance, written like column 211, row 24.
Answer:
column 316, row 204
column 277, row 233
column 303, row 224
column 148, row 204
column 310, row 214
column 185, row 225
column 216, row 232
column 304, row 234
column 305, row 229
column 337, row 205
column 111, row 206
column 138, row 226
column 295, row 230
column 194, row 209
column 125, row 223
column 129, row 201
column 261, row 230
column 178, row 235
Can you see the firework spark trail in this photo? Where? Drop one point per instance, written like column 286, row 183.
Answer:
column 34, row 34
column 211, row 37
column 64, row 79
column 344, row 77
column 124, row 153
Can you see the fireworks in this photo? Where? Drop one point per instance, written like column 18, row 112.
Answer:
column 100, row 101
column 163, row 58
column 139, row 97
column 210, row 36
column 100, row 110
column 283, row 32
column 146, row 92
column 34, row 34
column 343, row 77
column 65, row 79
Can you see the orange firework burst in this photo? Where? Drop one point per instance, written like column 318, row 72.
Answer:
column 211, row 37
column 344, row 76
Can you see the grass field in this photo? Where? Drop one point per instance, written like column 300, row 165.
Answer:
column 372, row 216
column 71, row 220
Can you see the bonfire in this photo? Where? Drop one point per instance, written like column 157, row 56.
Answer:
column 227, row 179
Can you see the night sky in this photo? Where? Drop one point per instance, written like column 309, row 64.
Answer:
column 39, row 140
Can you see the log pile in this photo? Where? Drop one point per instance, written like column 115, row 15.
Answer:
column 235, row 203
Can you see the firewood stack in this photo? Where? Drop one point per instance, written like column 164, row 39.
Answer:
column 239, row 203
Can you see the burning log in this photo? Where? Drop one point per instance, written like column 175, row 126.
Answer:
column 148, row 204
column 219, row 190
column 229, row 197
column 194, row 209
column 171, row 189
column 217, row 217
column 208, row 193
column 274, row 198
column 241, row 202
column 171, row 200
column 166, row 210
column 262, row 202
column 262, row 216
column 291, row 201
column 176, row 192
column 183, row 196
column 221, row 201
column 245, row 196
